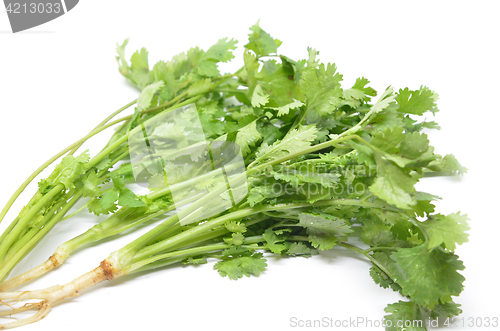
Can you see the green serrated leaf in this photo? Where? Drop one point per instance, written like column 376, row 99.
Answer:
column 234, row 226
column 259, row 98
column 147, row 93
column 449, row 230
column 286, row 108
column 404, row 312
column 295, row 140
column 235, row 239
column 237, row 267
column 394, row 185
column 261, row 42
column 428, row 277
column 129, row 199
column 322, row 89
column 323, row 229
column 417, row 102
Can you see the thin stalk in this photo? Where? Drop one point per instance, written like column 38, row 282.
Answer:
column 386, row 98
column 117, row 223
column 71, row 147
column 11, row 263
column 9, row 228
column 127, row 252
column 187, row 235
column 371, row 258
column 188, row 251
column 32, row 231
column 373, row 249
column 106, row 151
column 78, row 211
column 16, row 231
column 105, row 121
column 18, row 228
column 202, row 238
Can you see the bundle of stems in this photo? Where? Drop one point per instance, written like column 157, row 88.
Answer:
column 76, row 177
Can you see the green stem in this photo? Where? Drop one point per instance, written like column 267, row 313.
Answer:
column 9, row 228
column 187, row 252
column 187, row 235
column 23, row 186
column 16, row 231
column 71, row 147
column 79, row 210
column 105, row 121
column 373, row 249
column 12, row 262
column 127, row 252
column 371, row 258
column 31, row 232
column 252, row 168
column 106, row 151
column 385, row 98
column 419, row 225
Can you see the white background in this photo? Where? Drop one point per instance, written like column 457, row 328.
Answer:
column 59, row 80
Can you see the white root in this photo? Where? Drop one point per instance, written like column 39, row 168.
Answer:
column 49, row 296
column 53, row 262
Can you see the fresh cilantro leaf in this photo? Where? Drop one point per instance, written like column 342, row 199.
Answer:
column 295, row 140
column 234, row 226
column 323, row 229
column 322, row 88
column 404, row 312
column 196, row 261
column 428, row 277
column 448, row 309
column 129, row 199
column 109, row 198
column 95, row 206
column 273, row 242
column 261, row 43
column 359, row 93
column 360, row 85
column 447, row 164
column 236, row 251
column 220, row 52
column 417, row 102
column 235, row 239
column 379, row 276
column 300, row 249
column 286, row 108
column 394, row 185
column 246, row 137
column 138, row 72
column 414, row 145
column 165, row 73
column 147, row 93
column 449, row 230
column 389, row 139
column 423, row 204
column 71, row 168
column 237, row 267
column 124, row 67
column 376, row 233
column 259, row 98
column 91, row 184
